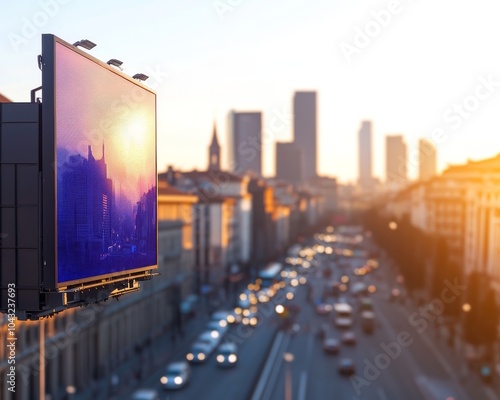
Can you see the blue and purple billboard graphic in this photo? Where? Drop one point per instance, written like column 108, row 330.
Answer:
column 105, row 141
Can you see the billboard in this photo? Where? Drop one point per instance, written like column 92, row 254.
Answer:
column 99, row 168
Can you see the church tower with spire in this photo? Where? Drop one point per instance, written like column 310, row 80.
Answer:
column 214, row 153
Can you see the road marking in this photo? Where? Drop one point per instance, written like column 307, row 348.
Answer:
column 276, row 367
column 263, row 379
column 381, row 394
column 302, row 386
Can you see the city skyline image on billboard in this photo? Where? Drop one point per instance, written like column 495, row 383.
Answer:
column 105, row 130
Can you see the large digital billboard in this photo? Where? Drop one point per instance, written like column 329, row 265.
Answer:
column 103, row 169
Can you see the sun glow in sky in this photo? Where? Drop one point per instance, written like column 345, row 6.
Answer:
column 121, row 118
column 415, row 69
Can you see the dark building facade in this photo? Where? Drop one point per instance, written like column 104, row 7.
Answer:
column 263, row 235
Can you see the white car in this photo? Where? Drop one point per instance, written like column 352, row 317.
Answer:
column 210, row 339
column 176, row 376
column 343, row 322
column 218, row 328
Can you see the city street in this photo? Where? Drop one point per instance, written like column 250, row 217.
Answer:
column 399, row 360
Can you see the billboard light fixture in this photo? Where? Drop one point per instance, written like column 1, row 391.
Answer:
column 116, row 63
column 85, row 43
column 140, row 77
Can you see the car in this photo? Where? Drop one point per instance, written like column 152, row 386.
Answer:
column 323, row 331
column 331, row 345
column 323, row 308
column 221, row 315
column 349, row 338
column 177, row 375
column 235, row 316
column 359, row 288
column 145, row 394
column 244, row 299
column 218, row 328
column 346, row 366
column 368, row 321
column 227, row 355
column 199, row 353
column 365, row 304
column 343, row 322
column 343, row 308
column 210, row 338
column 250, row 319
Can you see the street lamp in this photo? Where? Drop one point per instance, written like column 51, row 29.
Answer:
column 288, row 357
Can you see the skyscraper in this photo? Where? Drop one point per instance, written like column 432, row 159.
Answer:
column 304, row 127
column 288, row 162
column 245, row 143
column 366, row 180
column 426, row 159
column 396, row 161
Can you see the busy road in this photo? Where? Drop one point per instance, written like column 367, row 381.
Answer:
column 395, row 356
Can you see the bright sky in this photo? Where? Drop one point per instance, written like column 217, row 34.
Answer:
column 204, row 58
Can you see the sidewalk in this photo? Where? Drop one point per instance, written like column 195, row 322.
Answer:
column 454, row 351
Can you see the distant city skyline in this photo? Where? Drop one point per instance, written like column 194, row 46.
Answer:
column 255, row 55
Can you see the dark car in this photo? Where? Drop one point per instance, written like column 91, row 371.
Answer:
column 346, row 366
column 331, row 345
column 322, row 331
column 349, row 338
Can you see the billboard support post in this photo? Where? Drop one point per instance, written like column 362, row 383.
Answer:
column 42, row 358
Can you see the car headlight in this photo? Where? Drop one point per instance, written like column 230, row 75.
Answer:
column 232, row 358
column 253, row 321
column 178, row 380
column 164, row 380
column 201, row 356
column 220, row 358
column 190, row 356
column 214, row 334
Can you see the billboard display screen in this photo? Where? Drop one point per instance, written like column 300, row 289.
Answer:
column 105, row 167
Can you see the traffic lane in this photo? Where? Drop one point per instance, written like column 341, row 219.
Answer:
column 315, row 373
column 210, row 382
column 376, row 383
column 323, row 371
